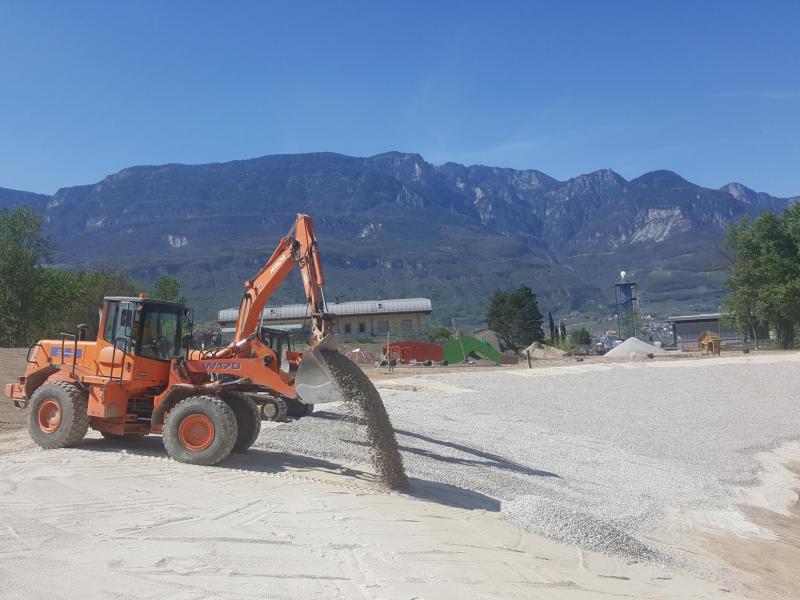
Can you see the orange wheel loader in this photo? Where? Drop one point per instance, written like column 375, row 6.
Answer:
column 137, row 378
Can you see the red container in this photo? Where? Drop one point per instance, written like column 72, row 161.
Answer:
column 405, row 352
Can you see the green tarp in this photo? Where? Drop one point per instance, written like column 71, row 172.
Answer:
column 458, row 350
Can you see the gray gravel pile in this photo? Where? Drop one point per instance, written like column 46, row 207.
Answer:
column 558, row 522
column 634, row 348
column 590, row 454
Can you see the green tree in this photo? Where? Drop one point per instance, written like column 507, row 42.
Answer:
column 745, row 279
column 57, row 294
column 516, row 316
column 94, row 286
column 441, row 333
column 765, row 273
column 562, row 332
column 167, row 287
column 580, row 337
column 37, row 301
column 496, row 317
column 552, row 326
column 23, row 247
column 71, row 298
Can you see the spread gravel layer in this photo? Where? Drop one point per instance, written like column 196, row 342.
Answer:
column 592, row 454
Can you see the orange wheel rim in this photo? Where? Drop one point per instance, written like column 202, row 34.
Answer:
column 48, row 416
column 196, row 432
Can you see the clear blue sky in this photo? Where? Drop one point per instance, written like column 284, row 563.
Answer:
column 708, row 89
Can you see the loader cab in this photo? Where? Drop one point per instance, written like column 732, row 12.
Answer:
column 143, row 327
column 279, row 341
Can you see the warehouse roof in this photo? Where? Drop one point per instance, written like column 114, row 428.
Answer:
column 357, row 307
column 703, row 317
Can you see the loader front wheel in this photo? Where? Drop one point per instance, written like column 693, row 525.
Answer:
column 248, row 419
column 200, row 430
column 58, row 415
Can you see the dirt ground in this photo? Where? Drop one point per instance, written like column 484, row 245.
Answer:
column 767, row 556
column 775, row 562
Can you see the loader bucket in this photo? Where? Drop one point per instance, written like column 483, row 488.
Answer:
column 314, row 382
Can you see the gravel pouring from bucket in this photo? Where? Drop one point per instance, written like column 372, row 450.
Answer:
column 360, row 396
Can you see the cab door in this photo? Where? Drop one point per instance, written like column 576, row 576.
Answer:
column 117, row 338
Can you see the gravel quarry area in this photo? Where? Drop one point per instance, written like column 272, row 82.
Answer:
column 579, row 480
column 595, row 455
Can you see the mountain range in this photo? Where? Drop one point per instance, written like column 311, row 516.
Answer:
column 394, row 225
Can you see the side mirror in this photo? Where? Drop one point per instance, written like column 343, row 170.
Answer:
column 188, row 314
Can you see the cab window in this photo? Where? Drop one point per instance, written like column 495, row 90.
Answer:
column 108, row 330
column 159, row 332
column 119, row 324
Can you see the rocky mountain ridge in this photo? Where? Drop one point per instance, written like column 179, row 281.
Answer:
column 396, row 225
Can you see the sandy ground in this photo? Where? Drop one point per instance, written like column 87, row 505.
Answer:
column 101, row 522
column 757, row 540
column 500, row 460
column 772, row 555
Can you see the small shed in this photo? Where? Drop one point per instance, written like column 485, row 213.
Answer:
column 709, row 343
column 688, row 328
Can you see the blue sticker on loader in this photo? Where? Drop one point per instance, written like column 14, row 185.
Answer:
column 67, row 352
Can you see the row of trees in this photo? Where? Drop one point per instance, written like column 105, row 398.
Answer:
column 765, row 274
column 39, row 301
column 516, row 316
column 557, row 333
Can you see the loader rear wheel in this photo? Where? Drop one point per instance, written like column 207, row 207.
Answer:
column 248, row 419
column 58, row 415
column 200, row 430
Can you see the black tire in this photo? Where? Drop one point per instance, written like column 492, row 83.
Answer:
column 248, row 419
column 73, row 418
column 125, row 437
column 297, row 409
column 275, row 409
column 207, row 409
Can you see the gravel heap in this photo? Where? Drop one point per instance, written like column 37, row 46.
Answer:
column 634, row 348
column 594, row 456
column 543, row 351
